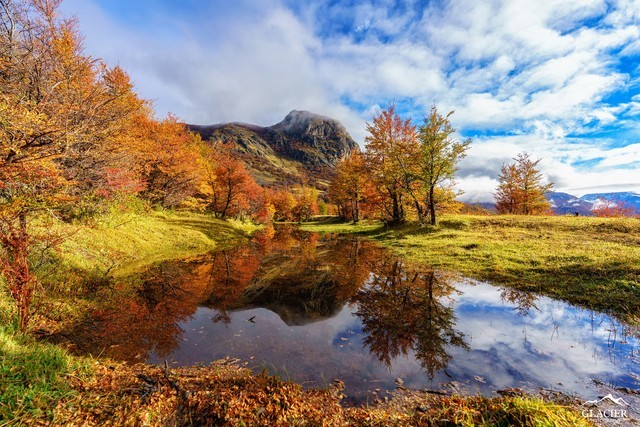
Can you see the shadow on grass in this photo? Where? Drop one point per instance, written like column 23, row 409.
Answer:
column 382, row 230
column 215, row 229
column 332, row 224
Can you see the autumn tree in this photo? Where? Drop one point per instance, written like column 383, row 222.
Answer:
column 306, row 203
column 521, row 189
column 228, row 187
column 166, row 157
column 612, row 209
column 266, row 209
column 439, row 153
column 349, row 186
column 389, row 147
column 284, row 203
column 56, row 106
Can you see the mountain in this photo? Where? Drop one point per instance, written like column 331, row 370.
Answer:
column 563, row 203
column 302, row 146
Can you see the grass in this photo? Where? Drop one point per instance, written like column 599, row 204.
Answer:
column 593, row 262
column 34, row 374
column 126, row 242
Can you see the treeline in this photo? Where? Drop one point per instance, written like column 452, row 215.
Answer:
column 404, row 172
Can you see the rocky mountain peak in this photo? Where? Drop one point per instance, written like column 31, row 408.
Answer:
column 305, row 122
column 302, row 144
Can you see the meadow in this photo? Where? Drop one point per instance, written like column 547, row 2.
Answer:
column 591, row 262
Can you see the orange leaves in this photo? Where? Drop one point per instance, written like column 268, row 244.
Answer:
column 283, row 202
column 352, row 188
column 610, row 209
column 228, row 188
column 521, row 189
column 389, row 145
column 163, row 156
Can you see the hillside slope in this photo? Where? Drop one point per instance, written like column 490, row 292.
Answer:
column 302, row 147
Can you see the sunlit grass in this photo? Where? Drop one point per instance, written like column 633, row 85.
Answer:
column 33, row 377
column 594, row 262
column 126, row 242
column 42, row 382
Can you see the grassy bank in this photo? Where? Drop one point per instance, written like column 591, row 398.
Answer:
column 121, row 243
column 35, row 374
column 593, row 262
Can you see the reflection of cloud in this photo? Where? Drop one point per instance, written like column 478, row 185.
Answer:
column 535, row 73
column 551, row 345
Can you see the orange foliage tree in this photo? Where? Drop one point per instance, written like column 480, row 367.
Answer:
column 349, row 186
column 306, row 203
column 165, row 158
column 611, row 209
column 283, row 202
column 228, row 188
column 389, row 147
column 521, row 189
column 56, row 106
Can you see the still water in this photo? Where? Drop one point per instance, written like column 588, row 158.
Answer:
column 316, row 308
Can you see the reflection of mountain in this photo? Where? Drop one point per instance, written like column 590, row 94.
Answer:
column 304, row 280
column 299, row 276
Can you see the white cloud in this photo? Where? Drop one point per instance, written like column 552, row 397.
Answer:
column 530, row 70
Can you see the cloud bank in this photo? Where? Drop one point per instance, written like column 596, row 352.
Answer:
column 558, row 79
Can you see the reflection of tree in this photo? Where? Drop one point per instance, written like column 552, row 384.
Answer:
column 230, row 273
column 142, row 313
column 436, row 327
column 402, row 310
column 523, row 301
column 308, row 278
column 302, row 277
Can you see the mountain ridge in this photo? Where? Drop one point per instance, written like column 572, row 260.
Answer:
column 303, row 147
column 564, row 203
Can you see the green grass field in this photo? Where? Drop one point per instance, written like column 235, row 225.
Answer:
column 593, row 262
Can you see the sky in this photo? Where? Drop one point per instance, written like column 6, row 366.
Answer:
column 559, row 79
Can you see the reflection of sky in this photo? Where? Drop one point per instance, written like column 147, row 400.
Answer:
column 554, row 346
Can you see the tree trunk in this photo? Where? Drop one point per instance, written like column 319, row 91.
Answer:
column 432, row 205
column 356, row 213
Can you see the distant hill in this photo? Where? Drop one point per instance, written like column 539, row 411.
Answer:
column 303, row 146
column 563, row 203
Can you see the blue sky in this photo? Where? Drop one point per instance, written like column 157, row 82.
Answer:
column 556, row 78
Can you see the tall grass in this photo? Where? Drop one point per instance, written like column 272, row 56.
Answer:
column 33, row 376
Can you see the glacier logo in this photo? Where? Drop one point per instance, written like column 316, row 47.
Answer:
column 616, row 412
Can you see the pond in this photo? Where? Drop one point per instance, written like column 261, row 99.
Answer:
column 313, row 308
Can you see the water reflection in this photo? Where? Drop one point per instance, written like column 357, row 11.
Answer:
column 314, row 308
column 403, row 310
